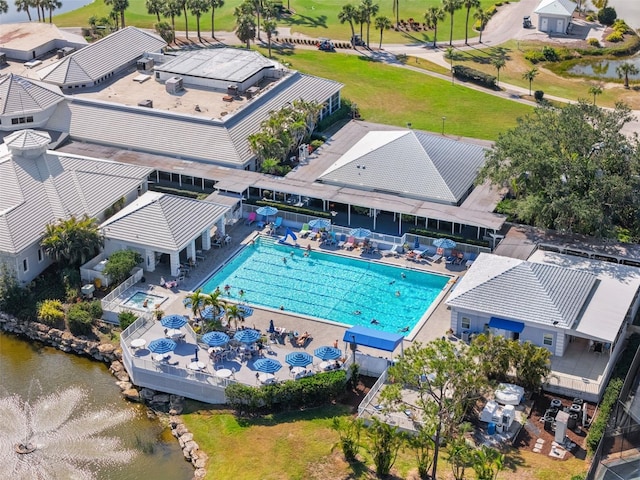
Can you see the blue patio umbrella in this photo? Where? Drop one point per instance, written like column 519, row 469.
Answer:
column 162, row 345
column 267, row 365
column 187, row 302
column 360, row 233
column 173, row 321
column 267, row 211
column 320, row 223
column 299, row 359
column 215, row 339
column 444, row 243
column 247, row 336
column 245, row 310
column 327, row 353
column 209, row 313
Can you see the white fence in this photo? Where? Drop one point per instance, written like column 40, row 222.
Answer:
column 111, row 303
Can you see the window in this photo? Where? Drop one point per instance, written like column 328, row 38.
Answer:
column 465, row 323
column 40, row 255
column 547, row 339
column 25, row 265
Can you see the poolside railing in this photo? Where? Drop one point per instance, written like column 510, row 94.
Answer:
column 372, row 393
column 111, row 302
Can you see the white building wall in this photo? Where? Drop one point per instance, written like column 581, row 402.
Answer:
column 35, row 263
column 39, row 119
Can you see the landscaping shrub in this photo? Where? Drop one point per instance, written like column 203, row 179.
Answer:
column 174, row 191
column 475, row 76
column 120, row 264
column 607, row 15
column 94, row 308
column 534, row 56
column 79, row 320
column 620, row 26
column 316, row 143
column 126, row 318
column 614, row 37
column 594, row 42
column 538, row 95
column 291, row 208
column 51, row 312
column 550, row 54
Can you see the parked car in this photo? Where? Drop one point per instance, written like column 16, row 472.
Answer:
column 325, row 45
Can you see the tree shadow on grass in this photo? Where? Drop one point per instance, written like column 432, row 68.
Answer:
column 304, row 20
column 485, row 56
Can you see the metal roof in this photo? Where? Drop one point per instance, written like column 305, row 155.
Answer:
column 409, row 163
column 103, row 57
column 22, row 95
column 555, row 7
column 163, row 222
column 524, row 291
column 42, row 189
column 230, row 64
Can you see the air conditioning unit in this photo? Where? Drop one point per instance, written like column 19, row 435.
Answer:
column 174, row 85
column 232, row 90
column 145, row 64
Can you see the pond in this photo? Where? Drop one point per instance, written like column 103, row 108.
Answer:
column 31, row 372
column 604, row 69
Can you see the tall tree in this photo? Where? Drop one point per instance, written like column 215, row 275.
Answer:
column 119, row 7
column 572, row 168
column 50, row 6
column 4, row 6
column 197, row 8
column 154, row 7
column 382, row 24
column 348, row 14
column 269, row 25
column 498, row 63
column 214, row 4
column 483, row 17
column 624, row 70
column 446, row 383
column 386, row 441
column 246, row 29
column 172, row 9
column 73, row 241
column 396, row 11
column 183, row 5
column 165, row 31
column 487, row 463
column 21, row 6
column 469, row 4
column 529, row 75
column 195, row 301
column 595, row 89
column 432, row 16
column 450, row 6
column 235, row 315
column 369, row 10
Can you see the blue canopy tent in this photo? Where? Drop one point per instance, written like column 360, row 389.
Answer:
column 369, row 337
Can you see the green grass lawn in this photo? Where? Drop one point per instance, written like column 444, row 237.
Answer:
column 312, row 17
column 392, row 95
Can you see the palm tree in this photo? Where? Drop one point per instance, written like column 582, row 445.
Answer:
column 469, row 4
column 483, row 17
column 530, row 75
column 119, row 7
column 269, row 25
column 626, row 69
column 4, row 6
column 165, row 31
column 498, row 63
column 595, row 90
column 73, row 241
column 154, row 7
column 214, row 4
column 382, row 24
column 369, row 9
column 172, row 9
column 235, row 315
column 348, row 14
column 198, row 7
column 183, row 6
column 195, row 301
column 21, row 6
column 450, row 6
column 246, row 29
column 51, row 5
column 396, row 11
column 487, row 463
column 432, row 16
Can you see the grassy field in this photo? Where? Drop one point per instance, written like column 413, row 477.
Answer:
column 300, row 445
column 312, row 17
column 396, row 96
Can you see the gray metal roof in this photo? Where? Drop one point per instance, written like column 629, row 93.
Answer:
column 524, row 291
column 164, row 222
column 184, row 136
column 231, row 64
column 105, row 56
column 555, row 7
column 22, row 95
column 410, row 164
column 43, row 189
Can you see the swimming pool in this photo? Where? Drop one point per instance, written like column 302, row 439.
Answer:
column 138, row 299
column 341, row 289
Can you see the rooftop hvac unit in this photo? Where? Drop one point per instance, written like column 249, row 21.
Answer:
column 232, row 90
column 144, row 64
column 146, row 103
column 251, row 92
column 63, row 52
column 174, row 85
column 3, row 58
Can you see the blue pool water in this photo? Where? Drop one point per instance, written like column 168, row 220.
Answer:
column 328, row 286
column 137, row 301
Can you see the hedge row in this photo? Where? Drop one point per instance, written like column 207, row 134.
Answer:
column 311, row 41
column 458, row 239
column 290, row 208
column 475, row 76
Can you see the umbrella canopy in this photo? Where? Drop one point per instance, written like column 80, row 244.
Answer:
column 360, row 233
column 173, row 321
column 267, row 365
column 215, row 339
column 188, row 304
column 444, row 243
column 162, row 345
column 320, row 223
column 327, row 353
column 247, row 336
column 267, row 210
column 209, row 313
column 245, row 311
column 299, row 359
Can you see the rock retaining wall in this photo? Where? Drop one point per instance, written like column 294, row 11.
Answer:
column 110, row 354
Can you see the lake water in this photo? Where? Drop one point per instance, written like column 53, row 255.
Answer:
column 604, row 68
column 13, row 16
column 31, row 370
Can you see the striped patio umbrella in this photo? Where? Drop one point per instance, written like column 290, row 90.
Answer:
column 267, row 365
column 209, row 313
column 215, row 339
column 162, row 345
column 320, row 223
column 299, row 359
column 444, row 243
column 247, row 336
column 245, row 310
column 327, row 353
column 360, row 233
column 173, row 321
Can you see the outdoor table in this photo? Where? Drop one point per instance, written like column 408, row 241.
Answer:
column 327, row 365
column 138, row 343
column 174, row 333
column 298, row 370
column 223, row 373
column 161, row 357
column 266, row 378
column 196, row 366
column 215, row 350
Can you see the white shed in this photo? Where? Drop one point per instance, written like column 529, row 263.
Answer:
column 554, row 16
